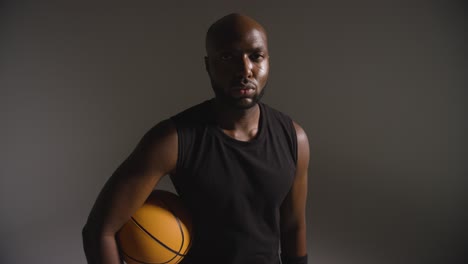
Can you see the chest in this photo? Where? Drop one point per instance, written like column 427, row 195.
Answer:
column 225, row 174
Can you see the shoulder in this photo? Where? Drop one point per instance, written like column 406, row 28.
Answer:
column 159, row 147
column 163, row 131
column 295, row 131
column 194, row 115
column 301, row 134
column 156, row 151
column 303, row 149
column 280, row 120
column 274, row 112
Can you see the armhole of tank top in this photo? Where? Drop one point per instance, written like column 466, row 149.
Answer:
column 180, row 144
column 286, row 121
column 294, row 141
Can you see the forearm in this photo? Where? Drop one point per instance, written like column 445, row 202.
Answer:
column 293, row 241
column 294, row 246
column 100, row 249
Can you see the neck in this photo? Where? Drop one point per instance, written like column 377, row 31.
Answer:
column 229, row 118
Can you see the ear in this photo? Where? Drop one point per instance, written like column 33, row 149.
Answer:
column 207, row 67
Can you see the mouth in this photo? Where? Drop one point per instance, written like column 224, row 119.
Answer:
column 241, row 86
column 242, row 91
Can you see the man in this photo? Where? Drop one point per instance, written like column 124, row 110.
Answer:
column 239, row 165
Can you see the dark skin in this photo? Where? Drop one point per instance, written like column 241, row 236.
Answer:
column 237, row 62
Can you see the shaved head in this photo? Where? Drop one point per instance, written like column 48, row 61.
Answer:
column 237, row 60
column 230, row 28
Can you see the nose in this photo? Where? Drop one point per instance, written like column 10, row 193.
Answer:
column 245, row 68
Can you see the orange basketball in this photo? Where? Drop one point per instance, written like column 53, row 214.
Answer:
column 159, row 232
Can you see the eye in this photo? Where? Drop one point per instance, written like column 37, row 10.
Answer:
column 226, row 56
column 257, row 56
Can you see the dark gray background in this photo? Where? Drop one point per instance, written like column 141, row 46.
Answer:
column 378, row 86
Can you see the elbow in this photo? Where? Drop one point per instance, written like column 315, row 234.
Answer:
column 91, row 232
column 88, row 243
column 293, row 231
column 293, row 226
column 93, row 242
column 87, row 234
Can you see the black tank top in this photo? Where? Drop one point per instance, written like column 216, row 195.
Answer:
column 234, row 189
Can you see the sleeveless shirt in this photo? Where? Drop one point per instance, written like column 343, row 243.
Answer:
column 234, row 189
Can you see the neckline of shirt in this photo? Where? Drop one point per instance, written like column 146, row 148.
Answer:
column 258, row 137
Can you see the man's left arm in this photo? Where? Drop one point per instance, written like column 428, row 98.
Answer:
column 293, row 208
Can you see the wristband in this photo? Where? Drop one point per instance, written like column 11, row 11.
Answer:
column 293, row 260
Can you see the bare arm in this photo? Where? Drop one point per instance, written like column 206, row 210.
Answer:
column 293, row 209
column 127, row 189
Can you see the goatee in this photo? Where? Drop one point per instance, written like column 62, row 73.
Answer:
column 237, row 103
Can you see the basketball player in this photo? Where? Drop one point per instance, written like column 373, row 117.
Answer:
column 239, row 165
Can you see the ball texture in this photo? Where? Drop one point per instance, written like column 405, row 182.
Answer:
column 159, row 232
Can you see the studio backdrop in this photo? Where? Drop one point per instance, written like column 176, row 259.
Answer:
column 379, row 87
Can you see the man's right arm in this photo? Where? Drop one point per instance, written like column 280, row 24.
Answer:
column 126, row 191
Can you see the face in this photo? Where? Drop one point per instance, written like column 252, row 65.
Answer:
column 238, row 66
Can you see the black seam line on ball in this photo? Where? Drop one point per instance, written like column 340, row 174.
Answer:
column 122, row 252
column 143, row 262
column 154, row 238
column 180, row 228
